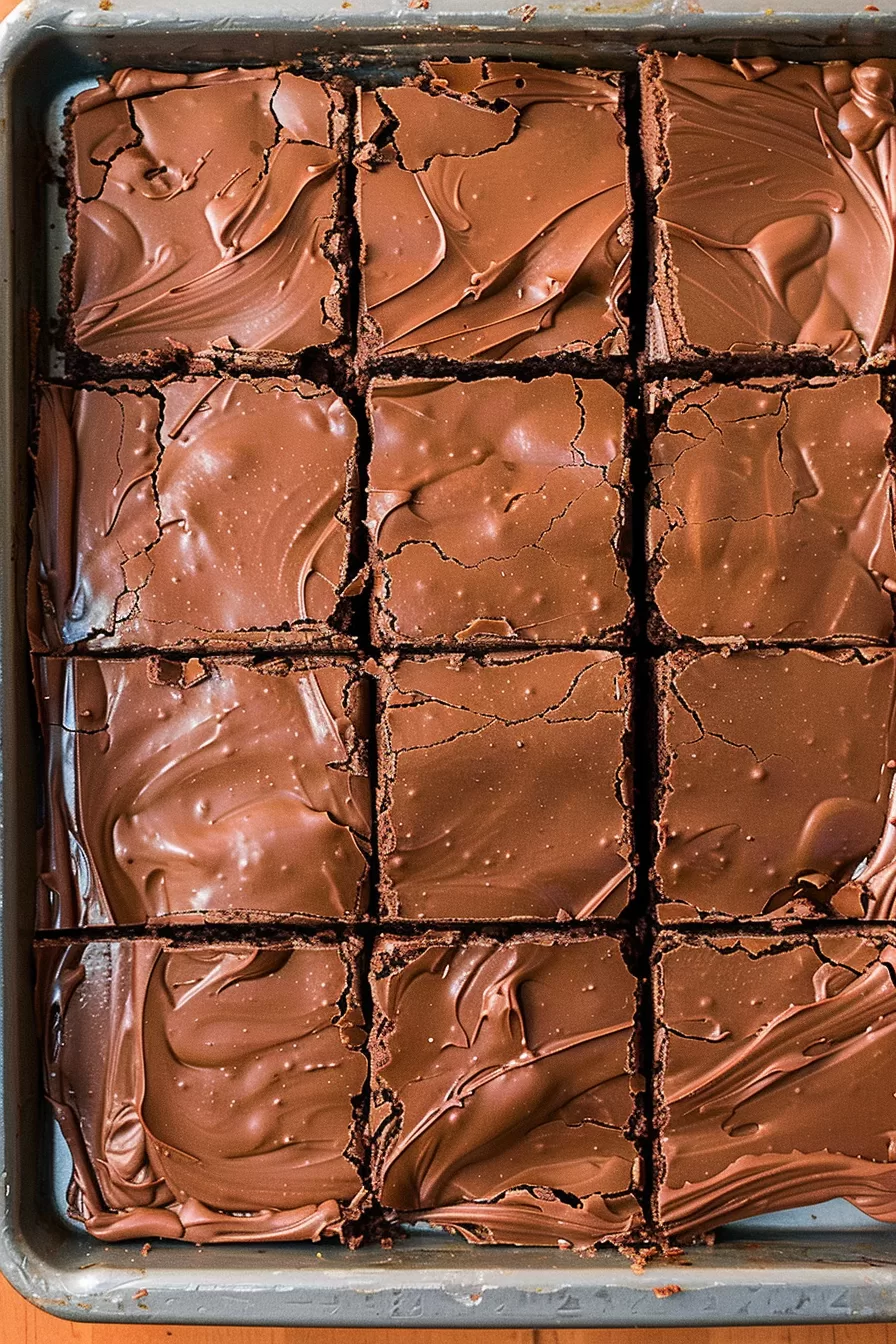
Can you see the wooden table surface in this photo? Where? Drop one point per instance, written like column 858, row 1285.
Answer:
column 23, row 1324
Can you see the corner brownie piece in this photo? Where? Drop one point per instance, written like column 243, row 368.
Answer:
column 493, row 212
column 207, row 1092
column 772, row 511
column 774, row 188
column 776, row 1076
column 497, row 511
column 776, row 789
column 504, row 787
column 503, row 1082
column 205, row 213
column 202, row 790
column 202, row 512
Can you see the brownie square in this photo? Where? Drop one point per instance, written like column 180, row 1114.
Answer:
column 202, row 790
column 205, row 212
column 773, row 190
column 772, row 511
column 776, row 1076
column 778, row 769
column 503, row 787
column 497, row 511
column 207, row 1092
column 202, row 512
column 503, row 1087
column 493, row 212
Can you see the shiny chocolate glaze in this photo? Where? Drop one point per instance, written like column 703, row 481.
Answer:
column 504, row 787
column 202, row 789
column 496, row 509
column 207, row 1093
column 502, row 1083
column 203, row 511
column 776, row 205
column 776, row 1088
column 773, row 513
column 204, row 212
column 777, row 784
column 493, row 212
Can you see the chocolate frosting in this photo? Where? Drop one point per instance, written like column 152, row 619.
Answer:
column 773, row 511
column 775, row 218
column 504, row 787
column 206, row 1093
column 493, row 212
column 210, row 511
column 187, row 790
column 495, row 509
column 204, row 212
column 777, row 784
column 503, row 1087
column 777, row 1085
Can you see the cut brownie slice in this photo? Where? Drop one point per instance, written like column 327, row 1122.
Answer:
column 497, row 511
column 503, row 1081
column 493, row 211
column 776, row 1076
column 778, row 774
column 206, row 215
column 203, row 512
column 773, row 508
column 774, row 187
column 504, row 787
column 202, row 790
column 207, row 1092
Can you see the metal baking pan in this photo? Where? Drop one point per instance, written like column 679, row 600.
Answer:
column 827, row 1263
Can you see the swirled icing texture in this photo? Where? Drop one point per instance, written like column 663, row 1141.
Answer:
column 206, row 511
column 207, row 1093
column 504, row 787
column 777, row 1078
column 197, row 790
column 502, row 1087
column 204, row 212
column 493, row 213
column 776, row 206
column 773, row 511
column 496, row 510
column 777, row 784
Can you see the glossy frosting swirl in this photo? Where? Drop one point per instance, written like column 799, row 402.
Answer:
column 206, row 1093
column 502, row 1087
column 202, row 511
column 201, row 790
column 204, row 212
column 776, row 1087
column 493, row 212
column 776, row 206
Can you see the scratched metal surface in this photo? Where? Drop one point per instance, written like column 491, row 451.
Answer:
column 827, row 1263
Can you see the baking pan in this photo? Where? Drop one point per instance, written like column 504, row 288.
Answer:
column 827, row 1263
